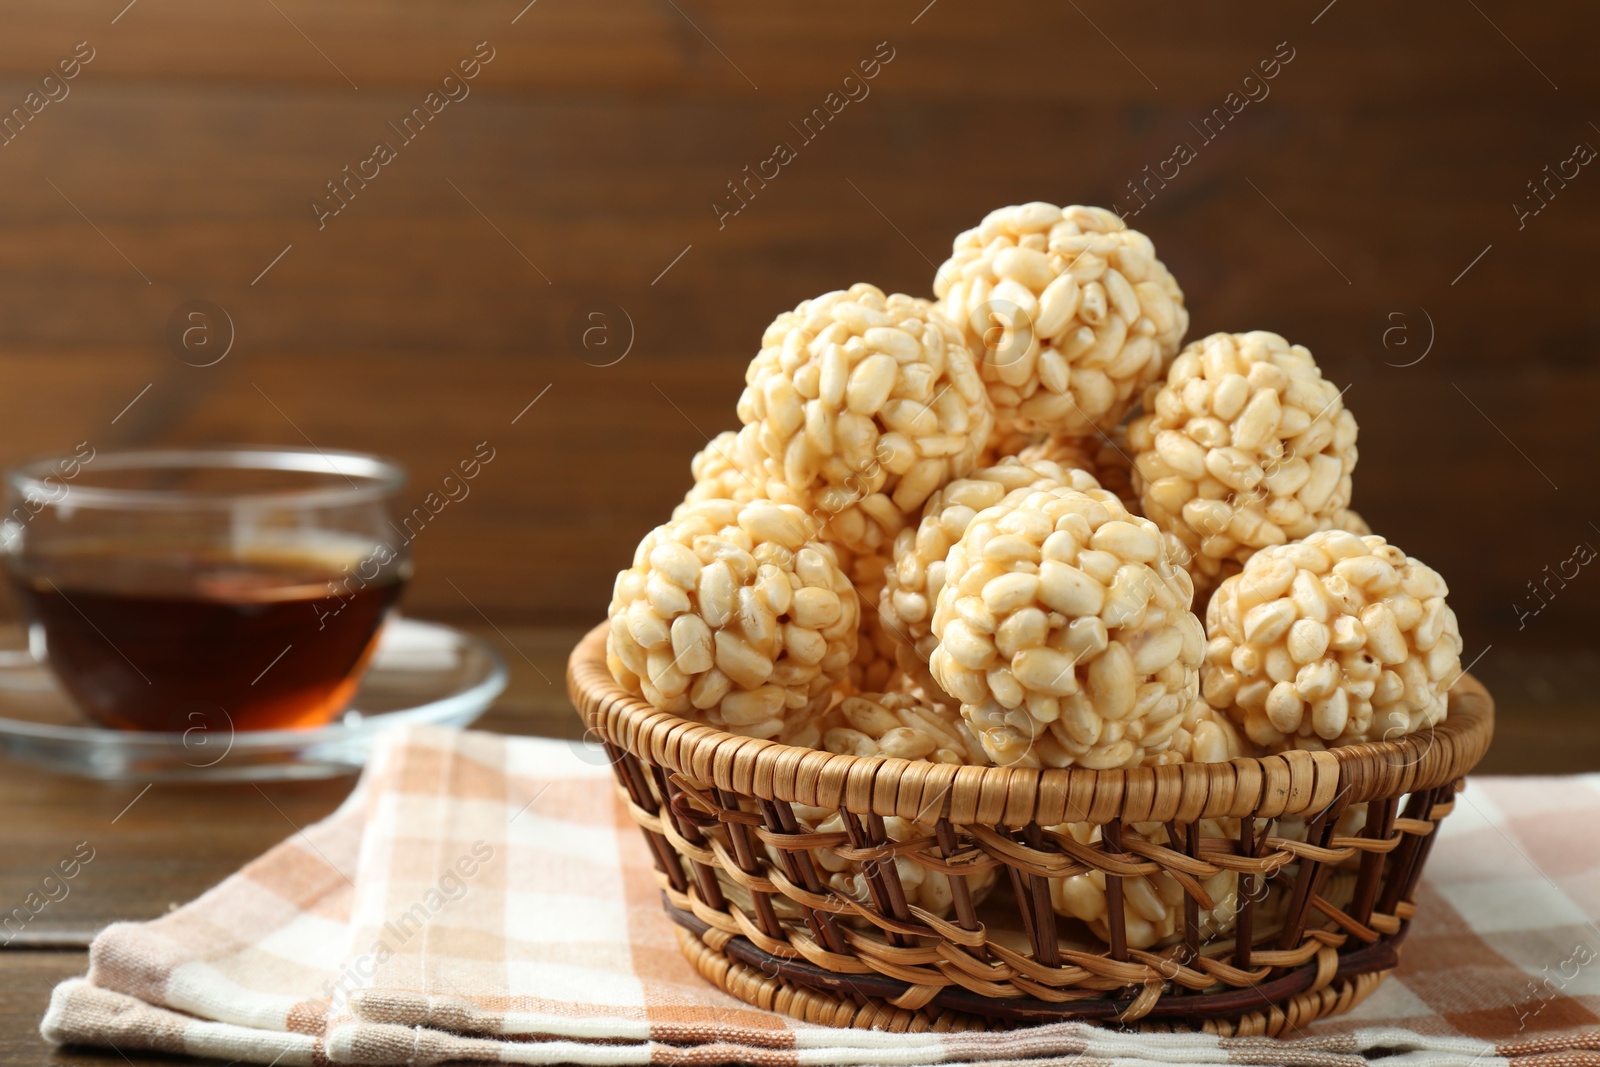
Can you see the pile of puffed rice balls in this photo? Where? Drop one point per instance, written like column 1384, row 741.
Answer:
column 985, row 529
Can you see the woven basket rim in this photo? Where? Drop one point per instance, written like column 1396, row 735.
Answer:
column 1291, row 783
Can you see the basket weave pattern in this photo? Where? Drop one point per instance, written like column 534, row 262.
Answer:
column 1320, row 915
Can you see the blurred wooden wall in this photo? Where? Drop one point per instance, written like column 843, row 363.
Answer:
column 1363, row 207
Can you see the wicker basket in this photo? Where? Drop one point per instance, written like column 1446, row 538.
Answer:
column 737, row 873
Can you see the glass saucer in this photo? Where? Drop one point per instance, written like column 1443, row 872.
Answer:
column 421, row 672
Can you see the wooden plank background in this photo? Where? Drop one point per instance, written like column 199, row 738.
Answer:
column 1371, row 191
column 1364, row 207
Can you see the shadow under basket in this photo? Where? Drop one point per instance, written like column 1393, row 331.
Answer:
column 1319, row 911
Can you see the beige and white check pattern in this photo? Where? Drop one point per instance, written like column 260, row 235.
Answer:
column 485, row 899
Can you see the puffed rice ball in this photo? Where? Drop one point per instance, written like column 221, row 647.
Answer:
column 863, row 405
column 1244, row 445
column 1329, row 641
column 1152, row 904
column 734, row 616
column 717, row 475
column 913, row 583
column 1065, row 632
column 1106, row 456
column 907, row 726
column 1071, row 312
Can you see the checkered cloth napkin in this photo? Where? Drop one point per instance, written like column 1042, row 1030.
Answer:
column 487, row 899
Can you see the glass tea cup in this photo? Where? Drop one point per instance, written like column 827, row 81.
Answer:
column 221, row 588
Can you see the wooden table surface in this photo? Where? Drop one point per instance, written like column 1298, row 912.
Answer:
column 175, row 841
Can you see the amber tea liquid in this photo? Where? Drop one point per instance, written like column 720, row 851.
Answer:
column 168, row 638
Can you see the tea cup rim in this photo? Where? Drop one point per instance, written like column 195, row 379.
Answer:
column 370, row 478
